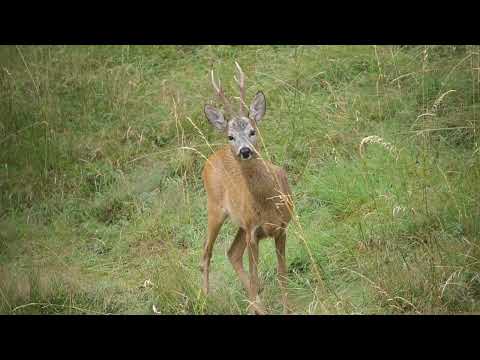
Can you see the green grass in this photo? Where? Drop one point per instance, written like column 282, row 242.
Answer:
column 97, row 195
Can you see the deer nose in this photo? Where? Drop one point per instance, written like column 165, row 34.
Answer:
column 245, row 152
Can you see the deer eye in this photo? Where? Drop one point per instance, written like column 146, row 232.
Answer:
column 252, row 133
column 231, row 138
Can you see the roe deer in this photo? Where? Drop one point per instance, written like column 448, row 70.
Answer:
column 253, row 192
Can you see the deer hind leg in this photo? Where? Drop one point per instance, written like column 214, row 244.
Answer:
column 216, row 217
column 280, row 241
column 235, row 255
column 252, row 245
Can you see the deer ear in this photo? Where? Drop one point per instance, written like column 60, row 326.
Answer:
column 215, row 117
column 258, row 107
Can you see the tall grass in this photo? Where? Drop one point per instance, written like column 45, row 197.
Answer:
column 102, row 208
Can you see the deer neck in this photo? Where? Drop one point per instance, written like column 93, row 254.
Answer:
column 256, row 173
column 257, row 176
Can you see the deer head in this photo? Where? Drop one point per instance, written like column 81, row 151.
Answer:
column 239, row 127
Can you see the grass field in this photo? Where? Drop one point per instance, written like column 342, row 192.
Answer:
column 102, row 207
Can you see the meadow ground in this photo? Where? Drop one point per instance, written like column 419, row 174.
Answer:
column 102, row 208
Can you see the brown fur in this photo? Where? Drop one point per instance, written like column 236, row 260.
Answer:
column 256, row 196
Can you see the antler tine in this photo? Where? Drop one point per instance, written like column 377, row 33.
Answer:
column 220, row 93
column 241, row 84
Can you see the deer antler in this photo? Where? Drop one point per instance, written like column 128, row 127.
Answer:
column 220, row 93
column 241, row 84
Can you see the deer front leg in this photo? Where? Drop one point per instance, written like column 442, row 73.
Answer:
column 252, row 245
column 280, row 241
column 216, row 217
